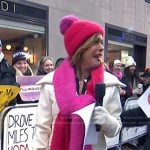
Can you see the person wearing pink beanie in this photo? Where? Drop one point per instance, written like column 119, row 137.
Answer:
column 71, row 87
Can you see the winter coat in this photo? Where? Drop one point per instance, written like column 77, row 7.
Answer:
column 7, row 73
column 48, row 110
column 8, row 76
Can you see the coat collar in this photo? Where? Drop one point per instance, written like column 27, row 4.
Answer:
column 47, row 79
column 109, row 80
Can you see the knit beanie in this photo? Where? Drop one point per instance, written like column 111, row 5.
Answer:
column 19, row 54
column 130, row 61
column 76, row 32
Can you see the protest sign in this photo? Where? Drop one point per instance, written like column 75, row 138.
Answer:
column 18, row 128
column 130, row 133
column 144, row 102
column 30, row 91
column 7, row 94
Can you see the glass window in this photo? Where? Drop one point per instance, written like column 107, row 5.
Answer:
column 117, row 50
column 30, row 37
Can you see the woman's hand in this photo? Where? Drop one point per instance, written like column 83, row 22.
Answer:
column 109, row 124
column 101, row 115
column 137, row 91
column 122, row 92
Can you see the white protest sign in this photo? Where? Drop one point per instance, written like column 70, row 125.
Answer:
column 144, row 102
column 91, row 136
column 19, row 125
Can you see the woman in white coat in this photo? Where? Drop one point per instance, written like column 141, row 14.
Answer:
column 72, row 87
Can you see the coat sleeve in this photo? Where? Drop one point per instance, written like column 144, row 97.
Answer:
column 112, row 104
column 7, row 74
column 43, row 119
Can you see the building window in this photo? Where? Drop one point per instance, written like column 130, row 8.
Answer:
column 30, row 37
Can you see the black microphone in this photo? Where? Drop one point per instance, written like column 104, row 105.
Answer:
column 99, row 94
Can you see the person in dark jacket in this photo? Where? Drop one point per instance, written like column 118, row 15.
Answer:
column 132, row 80
column 7, row 73
column 136, row 116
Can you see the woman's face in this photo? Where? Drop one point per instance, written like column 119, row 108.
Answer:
column 48, row 66
column 132, row 69
column 117, row 67
column 22, row 65
column 93, row 56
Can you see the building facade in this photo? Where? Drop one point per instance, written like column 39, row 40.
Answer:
column 126, row 22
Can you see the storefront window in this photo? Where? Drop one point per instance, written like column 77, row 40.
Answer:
column 117, row 50
column 30, row 37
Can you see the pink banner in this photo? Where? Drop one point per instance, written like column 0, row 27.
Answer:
column 29, row 90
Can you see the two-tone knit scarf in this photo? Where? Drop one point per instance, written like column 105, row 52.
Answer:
column 69, row 129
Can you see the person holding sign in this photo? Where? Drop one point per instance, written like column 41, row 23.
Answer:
column 20, row 61
column 71, row 87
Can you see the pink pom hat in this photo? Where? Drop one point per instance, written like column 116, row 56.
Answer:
column 76, row 32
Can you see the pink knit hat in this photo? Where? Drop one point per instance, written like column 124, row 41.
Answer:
column 76, row 32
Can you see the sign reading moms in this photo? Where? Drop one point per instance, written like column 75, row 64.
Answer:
column 19, row 125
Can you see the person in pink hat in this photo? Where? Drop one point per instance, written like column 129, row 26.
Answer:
column 71, row 87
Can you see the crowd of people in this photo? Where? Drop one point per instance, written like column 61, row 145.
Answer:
column 69, row 85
